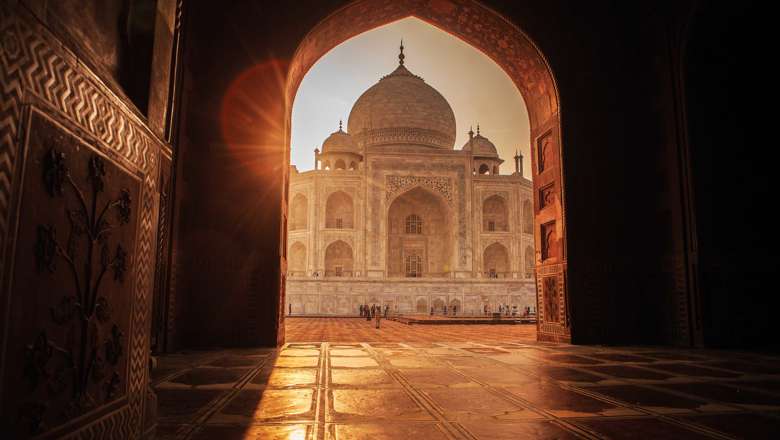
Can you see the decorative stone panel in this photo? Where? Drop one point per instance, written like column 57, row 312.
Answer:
column 113, row 158
column 441, row 185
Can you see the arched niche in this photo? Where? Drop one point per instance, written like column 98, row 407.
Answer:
column 528, row 217
column 299, row 212
column 495, row 261
column 495, row 214
column 528, row 258
column 421, row 306
column 339, row 211
column 430, row 239
column 507, row 45
column 296, row 264
column 339, row 261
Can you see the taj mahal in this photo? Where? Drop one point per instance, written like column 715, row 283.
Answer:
column 394, row 215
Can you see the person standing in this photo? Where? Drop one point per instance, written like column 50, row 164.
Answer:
column 378, row 318
column 289, row 309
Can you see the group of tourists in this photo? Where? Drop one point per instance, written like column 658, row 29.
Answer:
column 445, row 311
column 374, row 312
column 506, row 310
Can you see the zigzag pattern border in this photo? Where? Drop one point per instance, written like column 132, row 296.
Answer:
column 33, row 62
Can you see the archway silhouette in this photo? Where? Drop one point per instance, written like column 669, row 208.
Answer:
column 524, row 63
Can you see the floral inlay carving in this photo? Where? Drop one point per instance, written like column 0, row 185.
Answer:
column 85, row 364
column 441, row 185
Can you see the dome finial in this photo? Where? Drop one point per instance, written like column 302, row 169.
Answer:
column 340, row 125
column 401, row 55
column 471, row 132
column 478, row 130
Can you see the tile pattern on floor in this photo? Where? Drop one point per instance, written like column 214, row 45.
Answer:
column 466, row 382
column 360, row 330
column 466, row 390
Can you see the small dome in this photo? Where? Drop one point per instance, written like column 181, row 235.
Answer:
column 402, row 109
column 339, row 142
column 480, row 146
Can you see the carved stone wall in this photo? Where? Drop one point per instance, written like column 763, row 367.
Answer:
column 343, row 297
column 78, row 219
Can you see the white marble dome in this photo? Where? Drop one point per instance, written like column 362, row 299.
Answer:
column 402, row 109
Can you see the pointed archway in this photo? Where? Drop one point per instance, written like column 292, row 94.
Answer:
column 520, row 58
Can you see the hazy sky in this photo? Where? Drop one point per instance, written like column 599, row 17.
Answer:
column 476, row 88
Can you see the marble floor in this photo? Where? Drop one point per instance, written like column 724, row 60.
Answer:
column 466, row 389
column 360, row 330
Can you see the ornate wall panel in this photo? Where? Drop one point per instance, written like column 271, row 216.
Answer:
column 78, row 215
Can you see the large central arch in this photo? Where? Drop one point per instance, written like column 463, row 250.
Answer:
column 418, row 227
column 515, row 52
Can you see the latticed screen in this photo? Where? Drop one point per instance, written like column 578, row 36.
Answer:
column 339, row 223
column 413, row 224
column 413, row 266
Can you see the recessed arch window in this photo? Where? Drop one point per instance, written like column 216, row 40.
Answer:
column 339, row 211
column 495, row 214
column 413, row 224
column 413, row 265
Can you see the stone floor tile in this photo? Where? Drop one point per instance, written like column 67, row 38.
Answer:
column 621, row 357
column 386, row 431
column 647, row 397
column 180, row 406
column 566, row 403
column 692, row 370
column 297, row 362
column 628, row 372
column 727, row 394
column 287, row 377
column 435, row 377
column 748, row 367
column 256, row 432
column 372, row 378
column 567, row 374
column 413, row 362
column 250, row 405
column 639, row 429
column 299, row 352
column 353, row 362
column 348, row 352
column 748, row 426
column 571, row 359
column 532, row 429
column 236, row 361
column 372, row 404
column 476, row 403
column 497, row 375
column 210, row 376
column 673, row 355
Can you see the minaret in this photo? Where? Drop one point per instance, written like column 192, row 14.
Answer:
column 316, row 159
column 518, row 163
